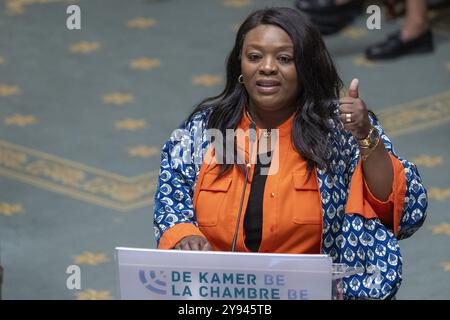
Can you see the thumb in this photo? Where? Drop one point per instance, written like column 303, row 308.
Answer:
column 353, row 90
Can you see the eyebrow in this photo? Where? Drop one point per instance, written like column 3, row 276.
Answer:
column 256, row 46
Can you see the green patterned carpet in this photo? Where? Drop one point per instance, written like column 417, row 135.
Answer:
column 83, row 115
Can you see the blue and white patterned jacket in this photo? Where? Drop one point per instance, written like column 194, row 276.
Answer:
column 348, row 238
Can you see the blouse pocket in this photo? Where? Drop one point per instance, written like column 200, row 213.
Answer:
column 211, row 199
column 307, row 203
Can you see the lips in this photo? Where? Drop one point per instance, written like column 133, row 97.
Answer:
column 267, row 86
column 267, row 83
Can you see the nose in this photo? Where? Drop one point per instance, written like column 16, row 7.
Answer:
column 268, row 66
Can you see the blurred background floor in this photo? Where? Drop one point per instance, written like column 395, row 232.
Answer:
column 83, row 115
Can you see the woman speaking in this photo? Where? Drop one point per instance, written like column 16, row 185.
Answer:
column 318, row 174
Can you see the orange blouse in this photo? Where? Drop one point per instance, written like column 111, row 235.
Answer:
column 292, row 208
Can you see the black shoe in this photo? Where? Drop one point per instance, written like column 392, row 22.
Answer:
column 394, row 46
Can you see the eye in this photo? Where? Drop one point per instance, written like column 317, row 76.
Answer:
column 253, row 56
column 285, row 59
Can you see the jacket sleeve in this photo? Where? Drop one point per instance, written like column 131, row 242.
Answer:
column 362, row 200
column 181, row 158
column 409, row 198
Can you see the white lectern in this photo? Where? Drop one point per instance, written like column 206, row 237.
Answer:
column 183, row 275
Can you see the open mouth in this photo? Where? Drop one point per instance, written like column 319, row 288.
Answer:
column 268, row 86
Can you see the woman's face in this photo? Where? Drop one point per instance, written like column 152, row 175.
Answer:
column 268, row 68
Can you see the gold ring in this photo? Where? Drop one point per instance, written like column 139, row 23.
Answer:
column 348, row 117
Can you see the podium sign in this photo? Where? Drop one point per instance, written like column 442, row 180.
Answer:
column 181, row 275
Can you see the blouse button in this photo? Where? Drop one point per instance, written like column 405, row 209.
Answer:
column 272, row 195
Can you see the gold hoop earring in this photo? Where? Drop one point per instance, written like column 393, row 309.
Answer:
column 241, row 79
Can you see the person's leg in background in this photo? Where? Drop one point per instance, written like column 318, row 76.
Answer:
column 415, row 36
column 417, row 21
